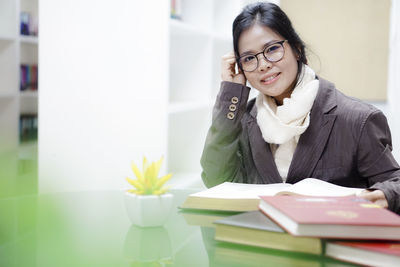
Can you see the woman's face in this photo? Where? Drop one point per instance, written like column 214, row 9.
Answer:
column 275, row 79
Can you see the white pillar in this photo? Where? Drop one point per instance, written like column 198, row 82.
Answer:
column 394, row 77
column 103, row 90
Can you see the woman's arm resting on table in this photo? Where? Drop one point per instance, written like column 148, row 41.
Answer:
column 220, row 159
column 377, row 164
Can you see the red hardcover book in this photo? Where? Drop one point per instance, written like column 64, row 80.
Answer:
column 332, row 217
column 366, row 253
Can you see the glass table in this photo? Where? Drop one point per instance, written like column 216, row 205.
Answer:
column 93, row 229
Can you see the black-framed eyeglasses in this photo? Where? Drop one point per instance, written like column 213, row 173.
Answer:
column 272, row 53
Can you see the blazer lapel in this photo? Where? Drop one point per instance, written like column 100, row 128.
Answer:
column 261, row 152
column 312, row 141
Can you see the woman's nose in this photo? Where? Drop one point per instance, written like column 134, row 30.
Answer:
column 263, row 63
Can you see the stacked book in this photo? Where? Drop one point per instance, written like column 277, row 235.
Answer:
column 312, row 217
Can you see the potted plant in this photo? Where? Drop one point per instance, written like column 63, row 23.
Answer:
column 148, row 203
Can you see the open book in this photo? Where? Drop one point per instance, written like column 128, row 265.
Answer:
column 245, row 197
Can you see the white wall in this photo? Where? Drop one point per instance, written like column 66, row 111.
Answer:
column 102, row 88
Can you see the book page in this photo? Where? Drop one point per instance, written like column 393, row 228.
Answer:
column 316, row 187
column 229, row 190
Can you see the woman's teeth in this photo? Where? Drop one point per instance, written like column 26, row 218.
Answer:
column 271, row 78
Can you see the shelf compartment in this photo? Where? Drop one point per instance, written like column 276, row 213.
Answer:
column 197, row 13
column 8, row 68
column 28, row 54
column 8, row 118
column 28, row 102
column 179, row 107
column 178, row 27
column 225, row 12
column 190, row 63
column 8, row 18
column 28, row 39
column 28, row 94
column 186, row 135
column 220, row 48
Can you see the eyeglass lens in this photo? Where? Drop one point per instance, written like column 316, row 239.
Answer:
column 272, row 53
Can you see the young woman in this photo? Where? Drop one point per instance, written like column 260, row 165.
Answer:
column 299, row 125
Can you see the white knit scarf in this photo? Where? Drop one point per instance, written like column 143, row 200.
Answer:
column 283, row 125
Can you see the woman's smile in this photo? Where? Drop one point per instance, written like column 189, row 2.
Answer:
column 270, row 78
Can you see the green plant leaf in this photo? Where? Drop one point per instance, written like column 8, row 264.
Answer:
column 145, row 165
column 147, row 182
column 161, row 191
column 162, row 181
column 137, row 172
column 135, row 183
column 137, row 192
column 158, row 166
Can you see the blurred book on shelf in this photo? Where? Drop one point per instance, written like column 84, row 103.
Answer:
column 28, row 24
column 176, row 9
column 28, row 127
column 28, row 77
column 25, row 18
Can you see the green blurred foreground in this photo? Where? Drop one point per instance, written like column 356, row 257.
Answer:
column 19, row 171
column 93, row 229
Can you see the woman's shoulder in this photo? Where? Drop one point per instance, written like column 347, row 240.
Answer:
column 346, row 105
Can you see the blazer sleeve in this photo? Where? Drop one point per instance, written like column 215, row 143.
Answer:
column 375, row 159
column 221, row 161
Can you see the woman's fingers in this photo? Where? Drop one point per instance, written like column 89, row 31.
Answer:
column 376, row 196
column 228, row 71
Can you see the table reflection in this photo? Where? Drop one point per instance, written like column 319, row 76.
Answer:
column 150, row 245
column 93, row 229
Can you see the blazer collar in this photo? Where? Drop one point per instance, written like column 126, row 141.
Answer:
column 311, row 142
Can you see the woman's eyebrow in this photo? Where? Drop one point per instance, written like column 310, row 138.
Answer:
column 251, row 52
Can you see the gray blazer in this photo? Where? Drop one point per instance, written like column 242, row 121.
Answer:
column 347, row 143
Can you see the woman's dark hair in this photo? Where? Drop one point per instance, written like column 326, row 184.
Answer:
column 271, row 16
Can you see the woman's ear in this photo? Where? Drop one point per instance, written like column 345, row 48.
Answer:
column 298, row 52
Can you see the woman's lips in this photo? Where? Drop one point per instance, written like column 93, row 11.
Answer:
column 271, row 79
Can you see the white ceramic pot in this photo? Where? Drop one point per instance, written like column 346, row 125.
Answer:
column 148, row 210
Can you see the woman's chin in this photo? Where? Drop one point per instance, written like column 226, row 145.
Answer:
column 271, row 93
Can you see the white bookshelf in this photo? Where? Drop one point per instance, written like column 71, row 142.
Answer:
column 180, row 107
column 157, row 84
column 9, row 67
column 15, row 50
column 197, row 42
column 28, row 39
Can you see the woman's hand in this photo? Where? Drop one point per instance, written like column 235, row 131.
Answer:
column 228, row 72
column 375, row 196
